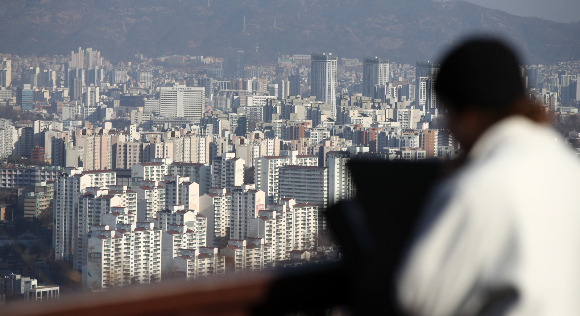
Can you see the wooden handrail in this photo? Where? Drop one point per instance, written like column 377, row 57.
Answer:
column 218, row 296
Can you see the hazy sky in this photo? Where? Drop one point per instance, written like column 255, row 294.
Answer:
column 554, row 10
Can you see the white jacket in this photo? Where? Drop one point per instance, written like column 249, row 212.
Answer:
column 509, row 219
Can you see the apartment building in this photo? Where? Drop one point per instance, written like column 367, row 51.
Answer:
column 181, row 191
column 196, row 172
column 150, row 200
column 175, row 238
column 128, row 154
column 124, row 255
column 67, row 190
column 246, row 203
column 227, row 171
column 196, row 263
column 92, row 207
column 340, row 184
column 305, row 184
column 266, row 175
column 246, row 255
column 286, row 226
column 216, row 206
column 148, row 171
column 27, row 176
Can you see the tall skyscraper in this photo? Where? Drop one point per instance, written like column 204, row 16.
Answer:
column 283, row 89
column 5, row 73
column 375, row 73
column 30, row 76
column 568, row 87
column 67, row 190
column 425, row 96
column 246, row 203
column 340, row 183
column 91, row 96
column 47, row 79
column 577, row 90
column 294, row 85
column 77, row 59
column 182, row 101
column 92, row 59
column 429, row 140
column 76, row 81
column 235, row 63
column 85, row 58
column 25, row 97
column 323, row 81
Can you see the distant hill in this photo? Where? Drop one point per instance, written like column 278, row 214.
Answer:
column 402, row 30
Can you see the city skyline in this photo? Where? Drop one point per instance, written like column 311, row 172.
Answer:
column 141, row 152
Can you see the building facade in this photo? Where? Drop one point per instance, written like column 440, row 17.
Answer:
column 323, row 79
column 182, row 101
column 375, row 73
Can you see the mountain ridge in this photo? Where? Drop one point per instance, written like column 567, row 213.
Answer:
column 402, row 31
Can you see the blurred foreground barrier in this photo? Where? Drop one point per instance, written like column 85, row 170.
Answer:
column 310, row 290
column 235, row 296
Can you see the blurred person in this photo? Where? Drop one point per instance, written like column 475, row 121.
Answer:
column 501, row 235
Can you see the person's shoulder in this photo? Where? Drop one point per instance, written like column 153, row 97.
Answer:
column 529, row 159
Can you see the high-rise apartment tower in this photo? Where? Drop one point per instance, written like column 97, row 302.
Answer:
column 425, row 96
column 5, row 73
column 323, row 81
column 375, row 73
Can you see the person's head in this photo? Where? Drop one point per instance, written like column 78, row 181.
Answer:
column 479, row 83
